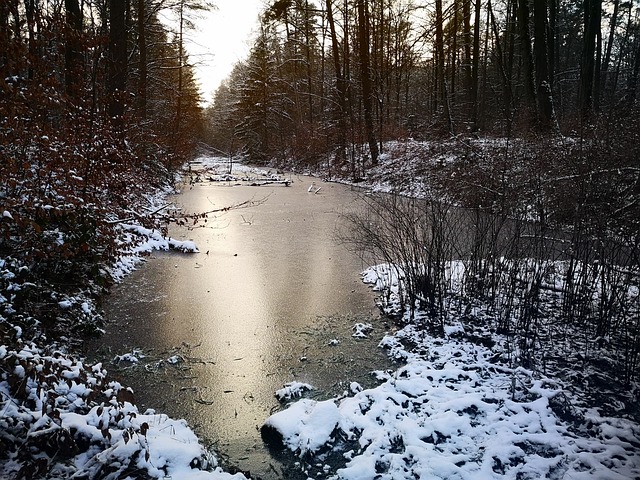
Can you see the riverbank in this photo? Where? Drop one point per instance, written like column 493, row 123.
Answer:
column 460, row 408
column 506, row 374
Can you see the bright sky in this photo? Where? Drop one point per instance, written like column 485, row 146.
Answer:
column 223, row 37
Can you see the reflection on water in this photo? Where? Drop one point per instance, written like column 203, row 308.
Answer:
column 258, row 307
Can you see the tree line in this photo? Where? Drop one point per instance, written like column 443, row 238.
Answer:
column 114, row 60
column 324, row 77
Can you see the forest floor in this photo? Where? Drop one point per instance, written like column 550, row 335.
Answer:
column 458, row 407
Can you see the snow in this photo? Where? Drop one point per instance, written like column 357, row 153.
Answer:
column 292, row 390
column 362, row 330
column 174, row 359
column 144, row 241
column 126, row 357
column 114, row 434
column 65, row 304
column 216, row 169
column 453, row 412
column 307, row 425
column 154, row 240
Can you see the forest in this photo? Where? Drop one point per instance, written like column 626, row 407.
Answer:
column 324, row 77
column 523, row 113
column 506, row 131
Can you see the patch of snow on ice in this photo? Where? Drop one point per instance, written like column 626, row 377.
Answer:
column 292, row 390
column 362, row 330
column 65, row 304
column 175, row 359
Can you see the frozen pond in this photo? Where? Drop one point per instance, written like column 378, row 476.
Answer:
column 271, row 298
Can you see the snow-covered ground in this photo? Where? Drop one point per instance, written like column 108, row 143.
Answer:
column 455, row 411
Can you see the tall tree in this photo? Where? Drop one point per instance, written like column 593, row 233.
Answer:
column 72, row 52
column 142, row 59
column 552, row 43
column 527, row 57
column 30, row 13
column 543, row 81
column 592, row 16
column 341, row 89
column 613, row 24
column 475, row 66
column 365, row 78
column 466, row 35
column 441, row 98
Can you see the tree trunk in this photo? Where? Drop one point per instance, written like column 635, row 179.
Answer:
column 307, row 38
column 475, row 67
column 340, row 83
column 365, row 77
column 506, row 80
column 117, row 65
column 632, row 85
column 467, row 72
column 543, row 85
column 439, row 46
column 592, row 15
column 346, row 72
column 607, row 55
column 623, row 46
column 29, row 10
column 142, row 60
column 527, row 58
column 598, row 68
column 72, row 47
column 552, row 43
column 454, row 52
column 441, row 91
column 178, row 118
column 4, row 39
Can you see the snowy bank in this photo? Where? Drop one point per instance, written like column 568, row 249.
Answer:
column 62, row 418
column 456, row 411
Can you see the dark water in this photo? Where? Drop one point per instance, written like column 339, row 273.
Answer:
column 271, row 298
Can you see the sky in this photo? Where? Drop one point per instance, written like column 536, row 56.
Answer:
column 221, row 39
